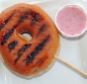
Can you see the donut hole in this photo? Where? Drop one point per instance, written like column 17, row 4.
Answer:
column 27, row 36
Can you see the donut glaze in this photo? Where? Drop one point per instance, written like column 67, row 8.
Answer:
column 27, row 58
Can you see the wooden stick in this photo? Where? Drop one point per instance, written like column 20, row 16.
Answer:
column 71, row 66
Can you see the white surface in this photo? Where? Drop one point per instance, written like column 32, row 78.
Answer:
column 73, row 50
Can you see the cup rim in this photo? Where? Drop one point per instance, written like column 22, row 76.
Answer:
column 66, row 34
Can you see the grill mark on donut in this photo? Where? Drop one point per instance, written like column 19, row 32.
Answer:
column 42, row 60
column 6, row 36
column 21, row 51
column 10, row 32
column 35, row 18
column 42, row 29
column 21, row 19
column 12, row 45
column 36, row 50
column 2, row 25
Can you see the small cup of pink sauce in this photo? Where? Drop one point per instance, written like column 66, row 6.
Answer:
column 71, row 21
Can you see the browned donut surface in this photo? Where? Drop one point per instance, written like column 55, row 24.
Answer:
column 27, row 58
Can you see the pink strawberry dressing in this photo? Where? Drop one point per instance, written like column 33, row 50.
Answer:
column 71, row 21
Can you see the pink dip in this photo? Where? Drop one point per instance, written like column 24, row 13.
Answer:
column 71, row 21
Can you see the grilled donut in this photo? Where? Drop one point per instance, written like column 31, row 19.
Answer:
column 33, row 57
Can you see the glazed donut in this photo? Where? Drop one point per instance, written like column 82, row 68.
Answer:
column 33, row 57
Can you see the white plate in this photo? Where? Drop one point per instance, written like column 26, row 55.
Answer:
column 73, row 50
